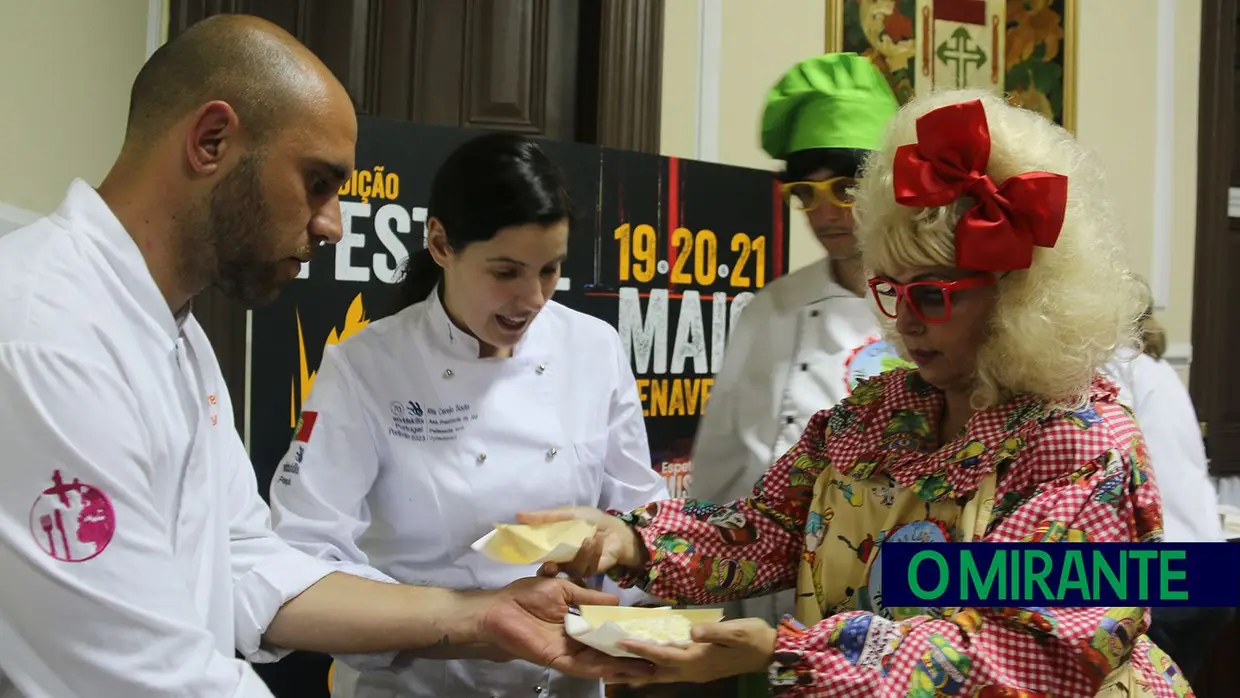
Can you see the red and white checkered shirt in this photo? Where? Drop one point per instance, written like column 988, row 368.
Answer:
column 1061, row 474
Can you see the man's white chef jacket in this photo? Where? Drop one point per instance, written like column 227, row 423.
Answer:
column 136, row 551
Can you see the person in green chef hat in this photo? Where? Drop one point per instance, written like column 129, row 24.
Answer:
column 806, row 339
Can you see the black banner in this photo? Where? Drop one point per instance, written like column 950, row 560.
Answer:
column 666, row 250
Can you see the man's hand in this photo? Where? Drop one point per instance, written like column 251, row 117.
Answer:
column 526, row 619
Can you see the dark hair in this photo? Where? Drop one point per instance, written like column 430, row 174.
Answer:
column 1153, row 337
column 492, row 182
column 841, row 162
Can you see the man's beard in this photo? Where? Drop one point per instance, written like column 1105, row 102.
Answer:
column 231, row 245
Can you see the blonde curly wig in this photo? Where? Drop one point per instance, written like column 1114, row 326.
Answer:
column 1053, row 324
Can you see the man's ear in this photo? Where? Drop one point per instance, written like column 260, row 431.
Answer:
column 215, row 129
column 437, row 243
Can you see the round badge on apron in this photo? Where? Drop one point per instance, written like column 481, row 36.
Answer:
column 872, row 594
column 870, row 359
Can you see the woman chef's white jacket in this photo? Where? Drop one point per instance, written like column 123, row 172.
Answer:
column 799, row 347
column 411, row 448
column 1168, row 421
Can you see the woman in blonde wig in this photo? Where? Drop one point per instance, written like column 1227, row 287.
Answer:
column 997, row 264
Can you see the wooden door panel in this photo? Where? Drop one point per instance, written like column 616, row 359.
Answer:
column 183, row 13
column 631, row 76
column 505, row 42
column 513, row 76
column 1213, row 381
column 397, row 36
column 587, row 70
column 338, row 31
column 1234, row 150
column 434, row 97
column 1222, row 413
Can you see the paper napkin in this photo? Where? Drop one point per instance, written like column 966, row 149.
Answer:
column 521, row 544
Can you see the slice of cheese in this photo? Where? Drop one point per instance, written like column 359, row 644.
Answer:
column 661, row 629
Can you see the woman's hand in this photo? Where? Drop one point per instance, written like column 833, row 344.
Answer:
column 615, row 543
column 729, row 648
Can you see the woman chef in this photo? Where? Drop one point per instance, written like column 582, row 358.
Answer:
column 479, row 399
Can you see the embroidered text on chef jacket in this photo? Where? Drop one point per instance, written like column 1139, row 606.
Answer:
column 136, row 552
column 412, row 447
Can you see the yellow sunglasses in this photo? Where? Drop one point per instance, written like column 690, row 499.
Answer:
column 807, row 196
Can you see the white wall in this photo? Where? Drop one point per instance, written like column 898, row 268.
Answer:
column 1122, row 114
column 65, row 83
column 12, row 218
column 1122, row 46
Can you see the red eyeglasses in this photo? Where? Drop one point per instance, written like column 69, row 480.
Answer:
column 930, row 300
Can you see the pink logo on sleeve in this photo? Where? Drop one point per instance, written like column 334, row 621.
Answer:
column 72, row 521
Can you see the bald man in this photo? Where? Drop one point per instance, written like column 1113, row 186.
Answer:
column 136, row 553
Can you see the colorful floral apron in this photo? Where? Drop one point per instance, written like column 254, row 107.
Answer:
column 841, row 563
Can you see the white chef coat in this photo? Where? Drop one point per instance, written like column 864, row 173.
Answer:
column 1164, row 411
column 799, row 347
column 135, row 550
column 418, row 447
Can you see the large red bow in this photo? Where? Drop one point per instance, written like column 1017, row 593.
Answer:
column 949, row 160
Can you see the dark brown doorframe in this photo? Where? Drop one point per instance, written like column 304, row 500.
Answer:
column 630, row 69
column 1213, row 381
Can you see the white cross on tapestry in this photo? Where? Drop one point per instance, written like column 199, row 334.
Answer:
column 960, row 44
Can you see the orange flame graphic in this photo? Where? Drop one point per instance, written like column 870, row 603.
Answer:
column 354, row 321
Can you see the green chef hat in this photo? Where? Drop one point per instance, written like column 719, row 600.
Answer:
column 838, row 100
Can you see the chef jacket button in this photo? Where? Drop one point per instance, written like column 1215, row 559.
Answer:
column 541, row 368
column 551, row 452
column 447, row 373
column 482, row 457
column 804, row 367
column 813, row 313
column 789, row 419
